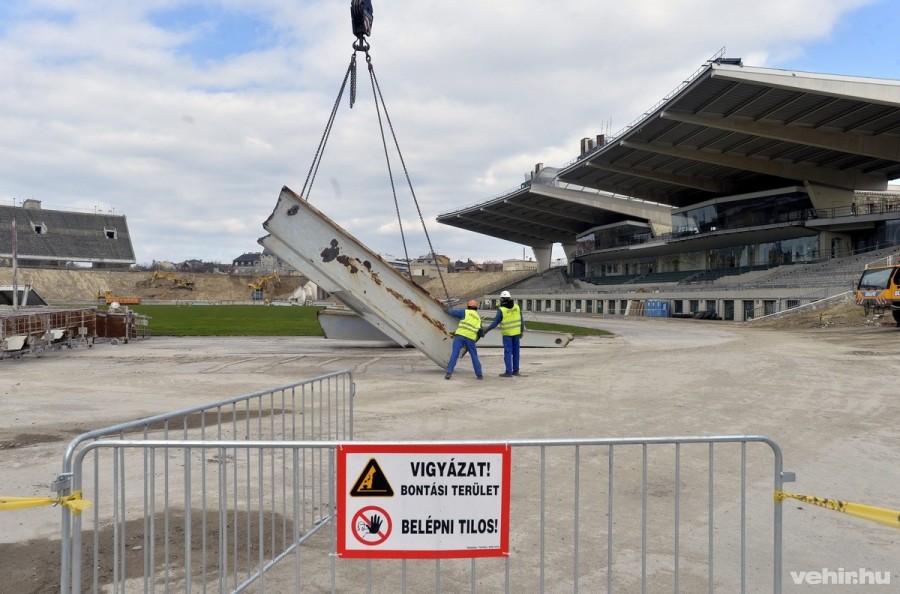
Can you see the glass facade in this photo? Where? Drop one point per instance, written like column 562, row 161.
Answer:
column 612, row 237
column 721, row 215
column 740, row 214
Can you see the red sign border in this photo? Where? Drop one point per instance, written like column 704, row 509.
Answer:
column 505, row 452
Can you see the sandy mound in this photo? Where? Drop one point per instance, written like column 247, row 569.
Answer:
column 73, row 286
column 845, row 314
column 472, row 285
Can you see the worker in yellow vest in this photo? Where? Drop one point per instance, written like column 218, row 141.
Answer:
column 512, row 326
column 468, row 331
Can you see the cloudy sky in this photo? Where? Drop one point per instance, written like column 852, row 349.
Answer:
column 188, row 116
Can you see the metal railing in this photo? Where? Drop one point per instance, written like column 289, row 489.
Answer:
column 677, row 513
column 137, row 504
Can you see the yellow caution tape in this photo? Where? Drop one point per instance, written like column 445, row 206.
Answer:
column 887, row 517
column 72, row 501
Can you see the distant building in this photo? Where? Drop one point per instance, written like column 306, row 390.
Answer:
column 520, row 265
column 260, row 263
column 429, row 265
column 467, row 266
column 192, row 266
column 397, row 263
column 246, row 262
column 492, row 267
column 57, row 239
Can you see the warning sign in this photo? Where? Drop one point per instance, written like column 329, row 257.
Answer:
column 372, row 525
column 423, row 501
column 372, row 482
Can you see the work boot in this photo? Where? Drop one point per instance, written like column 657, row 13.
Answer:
column 515, row 373
column 505, row 375
column 447, row 376
column 480, row 376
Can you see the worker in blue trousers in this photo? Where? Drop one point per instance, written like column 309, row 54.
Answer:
column 512, row 327
column 468, row 331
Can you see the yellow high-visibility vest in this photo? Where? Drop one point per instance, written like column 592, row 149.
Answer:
column 469, row 325
column 511, row 325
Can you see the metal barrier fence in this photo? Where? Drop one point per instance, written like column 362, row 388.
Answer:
column 144, row 502
column 664, row 514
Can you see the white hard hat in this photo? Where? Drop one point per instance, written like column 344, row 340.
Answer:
column 505, row 295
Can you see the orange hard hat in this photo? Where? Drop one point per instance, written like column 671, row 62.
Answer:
column 472, row 303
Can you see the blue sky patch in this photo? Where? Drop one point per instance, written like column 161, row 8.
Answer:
column 216, row 34
column 862, row 44
column 13, row 14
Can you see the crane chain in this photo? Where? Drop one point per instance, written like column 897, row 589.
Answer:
column 376, row 92
column 320, row 151
column 362, row 46
column 352, row 80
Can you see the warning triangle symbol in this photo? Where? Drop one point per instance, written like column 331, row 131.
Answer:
column 372, row 482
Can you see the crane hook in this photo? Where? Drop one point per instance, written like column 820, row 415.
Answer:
column 361, row 17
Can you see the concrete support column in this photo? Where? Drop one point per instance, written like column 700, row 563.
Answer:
column 542, row 255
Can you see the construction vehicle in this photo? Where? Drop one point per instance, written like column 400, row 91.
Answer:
column 177, row 281
column 108, row 297
column 260, row 283
column 258, row 287
column 878, row 291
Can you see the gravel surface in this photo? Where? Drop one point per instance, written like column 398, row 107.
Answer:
column 824, row 394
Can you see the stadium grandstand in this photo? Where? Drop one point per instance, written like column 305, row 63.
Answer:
column 745, row 191
column 57, row 239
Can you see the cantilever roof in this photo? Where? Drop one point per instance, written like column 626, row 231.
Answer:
column 731, row 129
column 736, row 129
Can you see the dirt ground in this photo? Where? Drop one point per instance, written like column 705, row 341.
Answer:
column 845, row 314
column 821, row 388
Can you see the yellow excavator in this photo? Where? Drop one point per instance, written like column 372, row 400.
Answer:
column 177, row 281
column 258, row 287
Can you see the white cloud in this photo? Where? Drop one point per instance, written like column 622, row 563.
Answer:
column 100, row 106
